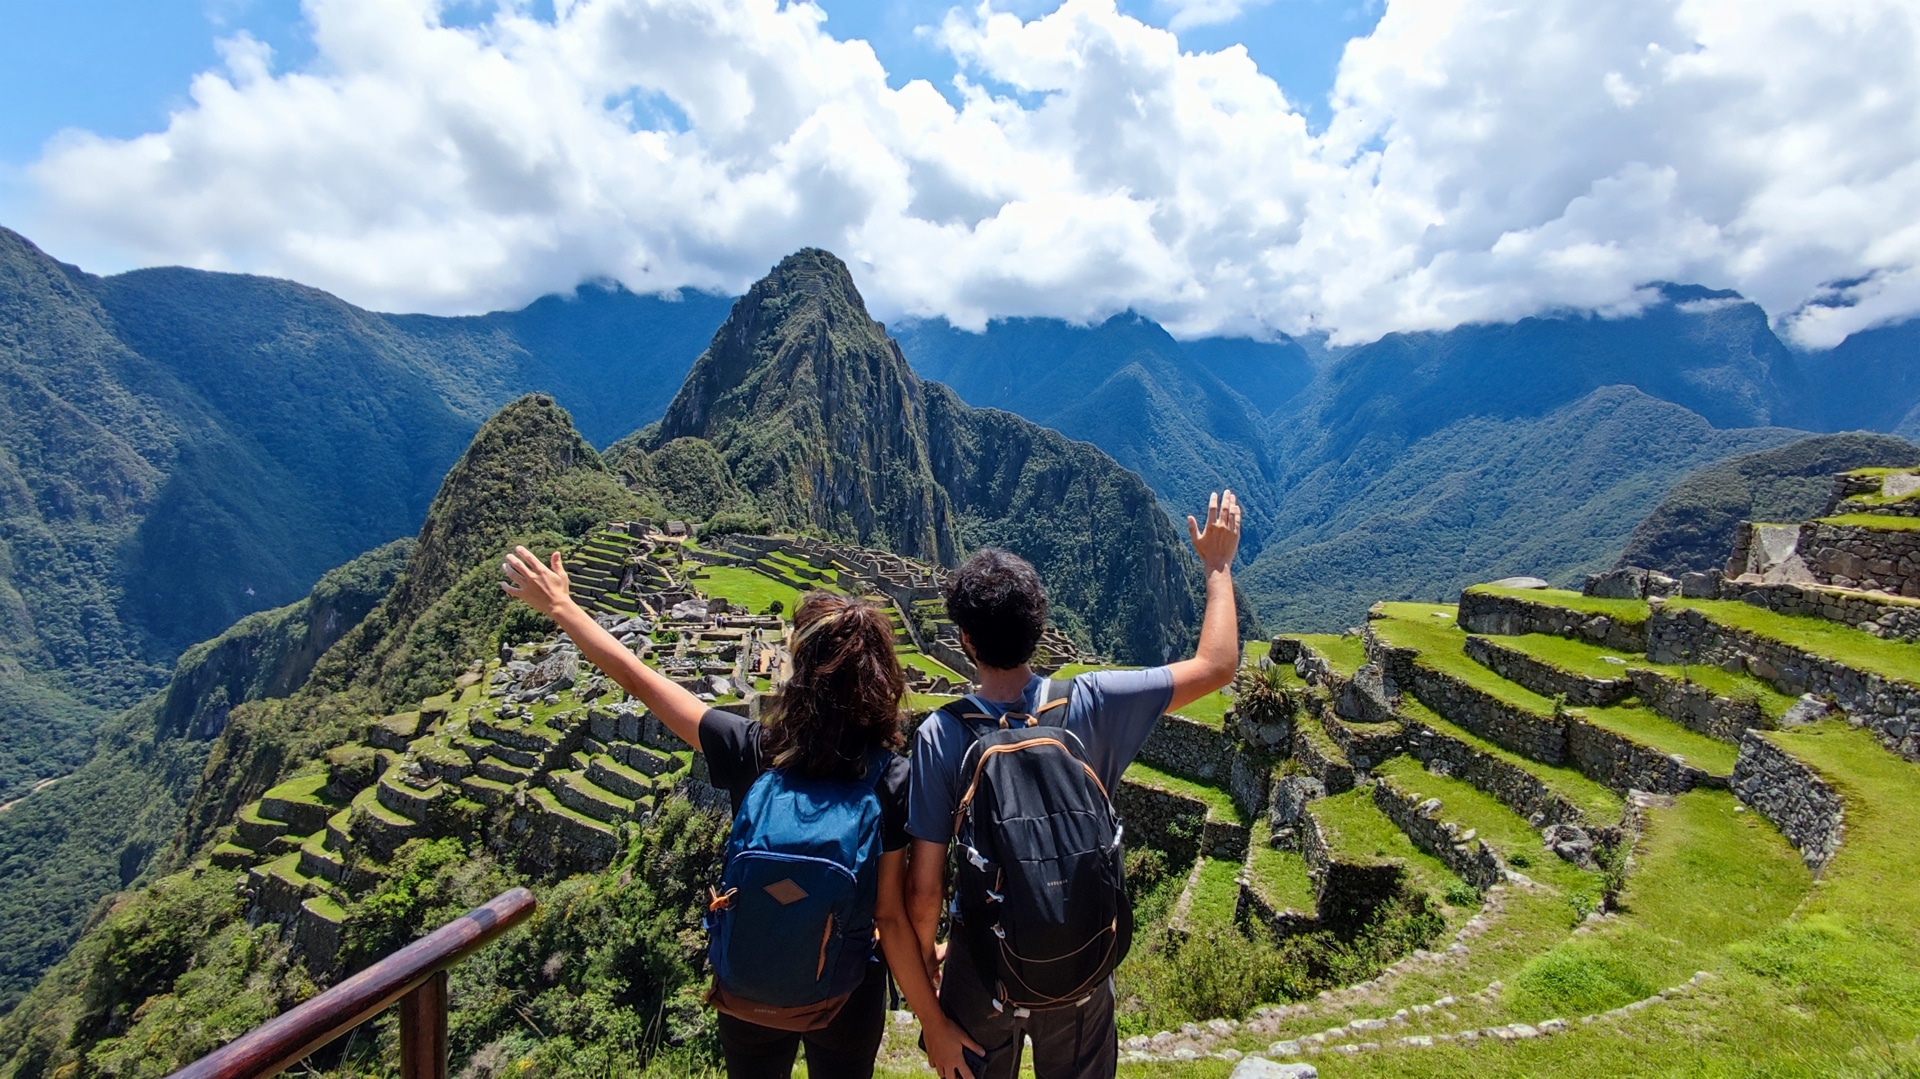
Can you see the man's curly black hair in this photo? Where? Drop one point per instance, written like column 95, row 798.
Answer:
column 997, row 598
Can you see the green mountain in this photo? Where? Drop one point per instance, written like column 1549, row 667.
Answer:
column 179, row 449
column 97, row 830
column 1129, row 388
column 821, row 421
column 1692, row 528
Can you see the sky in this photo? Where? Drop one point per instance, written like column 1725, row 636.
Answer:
column 1342, row 167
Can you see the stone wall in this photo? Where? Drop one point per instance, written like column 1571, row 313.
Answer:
column 1365, row 745
column 1510, row 616
column 1364, row 698
column 1541, row 738
column 1886, row 560
column 1793, row 796
column 1890, row 709
column 1349, row 892
column 1546, row 679
column 1319, row 757
column 1251, row 781
column 1251, row 909
column 1166, row 821
column 1625, row 765
column 1513, row 786
column 1186, row 748
column 1695, row 707
column 1882, row 616
column 1471, row 858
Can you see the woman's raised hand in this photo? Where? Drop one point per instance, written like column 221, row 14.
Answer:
column 541, row 586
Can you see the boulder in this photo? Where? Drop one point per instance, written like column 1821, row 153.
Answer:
column 1701, row 585
column 1808, row 709
column 1571, row 842
column 1519, row 582
column 1290, row 798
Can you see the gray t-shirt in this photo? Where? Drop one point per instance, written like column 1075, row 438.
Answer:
column 1112, row 712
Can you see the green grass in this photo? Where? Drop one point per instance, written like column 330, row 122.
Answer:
column 913, row 657
column 300, row 789
column 1580, row 657
column 1219, row 803
column 1601, row 806
column 1874, row 521
column 749, row 588
column 1344, row 654
column 1210, row 710
column 1358, row 832
column 1215, row 894
column 1071, row 669
column 1440, row 647
column 1468, row 806
column 1895, row 660
column 1650, row 728
column 1632, row 612
column 1278, row 876
column 919, row 703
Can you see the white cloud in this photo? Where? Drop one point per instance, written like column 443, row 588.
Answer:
column 1188, row 13
column 1484, row 160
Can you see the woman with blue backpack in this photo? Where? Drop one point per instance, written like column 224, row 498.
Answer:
column 815, row 867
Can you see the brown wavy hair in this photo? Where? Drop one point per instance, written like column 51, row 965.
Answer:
column 844, row 697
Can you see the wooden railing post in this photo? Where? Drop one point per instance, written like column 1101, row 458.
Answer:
column 423, row 1030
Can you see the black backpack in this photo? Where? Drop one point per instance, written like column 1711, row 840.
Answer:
column 1039, row 890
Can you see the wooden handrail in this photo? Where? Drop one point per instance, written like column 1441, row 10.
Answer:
column 414, row 977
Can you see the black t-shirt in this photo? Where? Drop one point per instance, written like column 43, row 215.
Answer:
column 732, row 746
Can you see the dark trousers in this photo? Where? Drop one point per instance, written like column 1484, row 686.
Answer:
column 1078, row 1042
column 843, row 1049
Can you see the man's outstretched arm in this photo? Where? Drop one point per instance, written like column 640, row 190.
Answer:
column 1218, row 656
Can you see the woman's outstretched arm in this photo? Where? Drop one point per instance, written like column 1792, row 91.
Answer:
column 544, row 588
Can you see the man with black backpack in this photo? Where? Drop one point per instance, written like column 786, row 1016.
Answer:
column 1017, row 777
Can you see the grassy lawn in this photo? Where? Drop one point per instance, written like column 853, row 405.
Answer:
column 920, row 703
column 1358, row 832
column 1874, row 521
column 1210, row 710
column 1631, row 612
column 1278, row 876
column 1577, row 657
column 1215, row 894
column 1601, row 805
column 751, row 589
column 1650, row 728
column 1344, row 654
column 1071, row 669
column 1896, row 660
column 1219, row 803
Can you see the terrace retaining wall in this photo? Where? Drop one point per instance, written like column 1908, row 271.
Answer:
column 1509, row 616
column 1696, row 707
column 1887, row 560
column 1788, row 792
column 1890, row 709
column 1546, row 679
column 1474, row 861
column 1881, row 616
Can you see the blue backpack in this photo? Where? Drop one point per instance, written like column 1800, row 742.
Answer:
column 791, row 924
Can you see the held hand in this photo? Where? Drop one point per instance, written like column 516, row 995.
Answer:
column 1219, row 540
column 542, row 587
column 945, row 1041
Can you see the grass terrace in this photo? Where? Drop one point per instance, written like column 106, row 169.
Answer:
column 1895, row 660
column 1580, row 657
column 1650, row 728
column 1440, row 646
column 1220, row 805
column 1632, row 612
column 1216, row 893
column 1874, row 521
column 1470, row 807
column 913, row 657
column 751, row 589
column 1601, row 805
column 1210, row 709
column 1356, row 828
column 1279, row 876
column 1345, row 654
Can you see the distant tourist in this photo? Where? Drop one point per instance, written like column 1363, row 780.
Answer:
column 817, row 857
column 1016, row 776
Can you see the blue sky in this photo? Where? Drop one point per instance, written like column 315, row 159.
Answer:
column 117, row 67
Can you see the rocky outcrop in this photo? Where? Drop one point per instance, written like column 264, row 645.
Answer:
column 1788, row 792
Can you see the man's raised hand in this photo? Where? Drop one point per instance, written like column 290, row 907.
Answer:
column 1219, row 540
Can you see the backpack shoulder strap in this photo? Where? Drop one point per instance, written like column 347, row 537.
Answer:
column 1051, row 709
